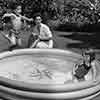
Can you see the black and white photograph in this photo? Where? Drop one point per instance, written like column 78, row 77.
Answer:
column 49, row 49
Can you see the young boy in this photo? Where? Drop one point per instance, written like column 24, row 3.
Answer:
column 81, row 71
column 41, row 36
column 16, row 22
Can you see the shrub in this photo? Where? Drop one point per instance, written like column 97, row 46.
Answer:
column 56, row 12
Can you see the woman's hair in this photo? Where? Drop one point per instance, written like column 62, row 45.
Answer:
column 14, row 5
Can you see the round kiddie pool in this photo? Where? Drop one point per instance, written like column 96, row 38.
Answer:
column 44, row 74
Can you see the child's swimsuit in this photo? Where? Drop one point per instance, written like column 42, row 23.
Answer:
column 81, row 71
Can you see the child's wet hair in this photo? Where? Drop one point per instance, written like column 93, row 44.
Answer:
column 91, row 53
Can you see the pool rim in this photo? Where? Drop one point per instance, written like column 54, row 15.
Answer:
column 44, row 87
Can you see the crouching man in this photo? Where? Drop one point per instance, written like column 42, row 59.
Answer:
column 41, row 36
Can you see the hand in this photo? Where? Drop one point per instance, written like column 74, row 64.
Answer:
column 34, row 33
column 40, row 37
column 31, row 19
column 73, row 72
column 99, row 20
column 95, row 82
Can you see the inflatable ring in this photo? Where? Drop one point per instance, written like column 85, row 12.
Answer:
column 21, row 90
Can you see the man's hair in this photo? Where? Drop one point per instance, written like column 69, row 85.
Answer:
column 37, row 15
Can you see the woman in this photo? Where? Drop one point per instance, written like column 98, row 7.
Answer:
column 16, row 22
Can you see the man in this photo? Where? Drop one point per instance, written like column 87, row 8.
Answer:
column 41, row 35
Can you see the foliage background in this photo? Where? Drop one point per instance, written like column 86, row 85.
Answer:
column 59, row 13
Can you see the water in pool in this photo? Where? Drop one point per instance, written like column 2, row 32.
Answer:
column 37, row 69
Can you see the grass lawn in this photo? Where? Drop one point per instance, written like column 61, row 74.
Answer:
column 62, row 40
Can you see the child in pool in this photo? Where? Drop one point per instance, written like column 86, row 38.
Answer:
column 16, row 23
column 81, row 71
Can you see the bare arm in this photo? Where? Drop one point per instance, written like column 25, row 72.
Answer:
column 8, row 15
column 94, row 70
column 36, row 38
column 26, row 18
column 34, row 44
column 74, row 68
column 50, row 43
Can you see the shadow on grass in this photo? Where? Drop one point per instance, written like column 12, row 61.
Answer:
column 79, row 45
column 88, row 40
column 69, row 27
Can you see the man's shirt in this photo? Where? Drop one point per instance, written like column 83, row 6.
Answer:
column 44, row 31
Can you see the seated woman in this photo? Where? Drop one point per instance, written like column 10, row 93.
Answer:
column 82, row 71
column 41, row 36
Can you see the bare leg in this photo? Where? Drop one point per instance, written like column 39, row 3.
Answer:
column 12, row 40
column 19, row 42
